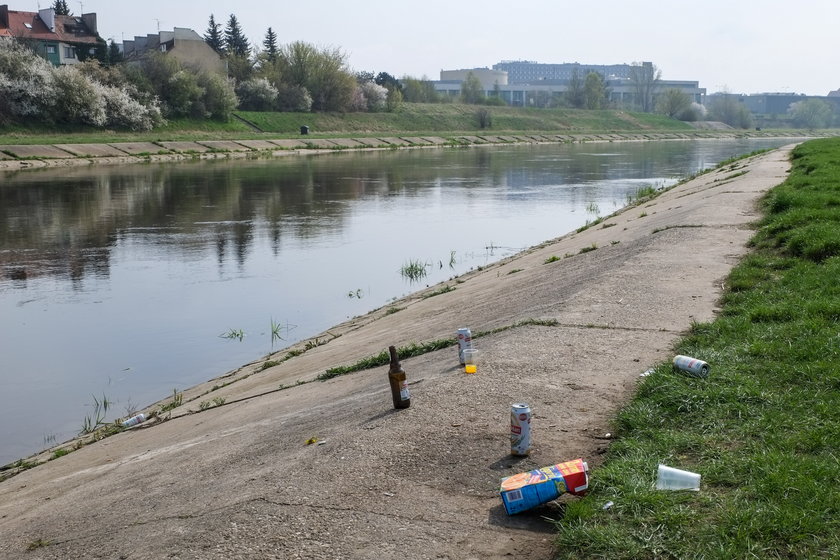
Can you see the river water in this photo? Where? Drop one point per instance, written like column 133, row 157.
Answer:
column 119, row 282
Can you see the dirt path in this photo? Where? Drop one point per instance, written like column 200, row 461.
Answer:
column 239, row 480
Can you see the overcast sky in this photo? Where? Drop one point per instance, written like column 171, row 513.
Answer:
column 743, row 46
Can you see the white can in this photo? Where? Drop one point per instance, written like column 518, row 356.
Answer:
column 520, row 429
column 134, row 420
column 464, row 343
column 692, row 366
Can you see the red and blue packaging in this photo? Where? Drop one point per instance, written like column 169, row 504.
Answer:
column 526, row 490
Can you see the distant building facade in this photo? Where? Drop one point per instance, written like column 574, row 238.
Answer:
column 185, row 45
column 488, row 77
column 62, row 40
column 535, row 85
column 776, row 104
column 527, row 72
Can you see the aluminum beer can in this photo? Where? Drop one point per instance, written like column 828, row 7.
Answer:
column 464, row 342
column 520, row 429
column 692, row 366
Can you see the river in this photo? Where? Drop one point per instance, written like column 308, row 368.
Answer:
column 126, row 283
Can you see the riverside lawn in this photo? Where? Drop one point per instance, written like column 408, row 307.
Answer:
column 411, row 119
column 763, row 428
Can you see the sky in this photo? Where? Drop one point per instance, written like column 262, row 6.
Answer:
column 740, row 46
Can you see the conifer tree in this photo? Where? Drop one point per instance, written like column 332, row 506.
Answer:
column 213, row 36
column 235, row 41
column 270, row 45
column 60, row 7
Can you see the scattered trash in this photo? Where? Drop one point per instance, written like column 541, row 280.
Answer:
column 470, row 360
column 311, row 440
column 691, row 366
column 669, row 478
column 389, row 494
column 608, row 435
column 526, row 490
column 607, row 506
column 322, row 442
column 464, row 342
column 399, row 385
column 520, row 429
column 646, row 373
column 134, row 420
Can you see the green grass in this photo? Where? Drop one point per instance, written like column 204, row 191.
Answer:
column 455, row 117
column 763, row 429
column 412, row 118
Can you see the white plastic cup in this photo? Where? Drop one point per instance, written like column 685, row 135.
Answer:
column 669, row 478
column 470, row 360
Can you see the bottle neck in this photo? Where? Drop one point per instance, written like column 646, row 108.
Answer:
column 395, row 362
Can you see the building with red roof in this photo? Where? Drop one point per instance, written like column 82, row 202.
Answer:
column 59, row 39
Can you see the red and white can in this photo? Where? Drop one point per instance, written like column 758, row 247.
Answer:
column 691, row 366
column 520, row 429
column 464, row 342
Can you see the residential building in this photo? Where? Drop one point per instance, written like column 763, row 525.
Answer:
column 184, row 44
column 59, row 39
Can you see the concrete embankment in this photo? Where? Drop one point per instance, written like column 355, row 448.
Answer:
column 570, row 326
column 26, row 156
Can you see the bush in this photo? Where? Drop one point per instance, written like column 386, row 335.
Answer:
column 77, row 100
column 257, row 94
column 374, row 97
column 26, row 83
column 293, row 99
column 124, row 111
column 219, row 97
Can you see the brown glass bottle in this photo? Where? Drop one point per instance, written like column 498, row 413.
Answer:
column 399, row 385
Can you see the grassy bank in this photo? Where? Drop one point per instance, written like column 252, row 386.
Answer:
column 458, row 118
column 763, row 428
column 412, row 118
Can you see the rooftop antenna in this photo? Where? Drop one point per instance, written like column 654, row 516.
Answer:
column 82, row 7
column 158, row 24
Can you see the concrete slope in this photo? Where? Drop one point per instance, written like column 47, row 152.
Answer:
column 240, row 481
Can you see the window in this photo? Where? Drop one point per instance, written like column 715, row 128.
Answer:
column 27, row 25
column 50, row 49
column 69, row 52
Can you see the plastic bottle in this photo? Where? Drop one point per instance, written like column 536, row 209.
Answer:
column 399, row 385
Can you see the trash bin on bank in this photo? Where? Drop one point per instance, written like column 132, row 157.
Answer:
column 304, row 130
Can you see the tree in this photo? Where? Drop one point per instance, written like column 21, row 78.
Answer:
column 235, row 42
column 419, row 91
column 323, row 74
column 61, row 9
column 270, row 48
column 472, row 91
column 364, row 77
column 594, row 91
column 393, row 101
column 645, row 78
column 115, row 56
column 575, row 95
column 728, row 108
column 213, row 36
column 674, row 103
column 811, row 113
column 386, row 80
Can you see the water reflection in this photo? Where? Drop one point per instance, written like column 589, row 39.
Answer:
column 64, row 222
